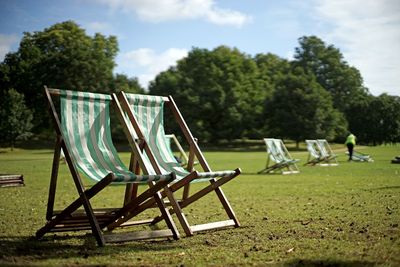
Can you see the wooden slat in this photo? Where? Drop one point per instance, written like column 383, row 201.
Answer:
column 11, row 184
column 132, row 223
column 64, row 228
column 139, row 235
column 213, row 225
column 9, row 180
column 81, row 212
column 289, row 172
column 10, row 177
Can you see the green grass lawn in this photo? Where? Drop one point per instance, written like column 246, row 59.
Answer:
column 346, row 215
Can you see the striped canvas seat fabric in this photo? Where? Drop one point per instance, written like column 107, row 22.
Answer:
column 149, row 113
column 313, row 148
column 277, row 151
column 85, row 125
column 325, row 149
column 272, row 150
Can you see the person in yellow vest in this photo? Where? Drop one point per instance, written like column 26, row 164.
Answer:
column 350, row 143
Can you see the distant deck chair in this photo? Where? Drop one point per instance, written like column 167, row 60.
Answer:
column 314, row 153
column 320, row 153
column 361, row 157
column 327, row 153
column 11, row 180
column 279, row 160
column 144, row 126
column 84, row 136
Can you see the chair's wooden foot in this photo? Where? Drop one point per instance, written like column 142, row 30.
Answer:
column 213, row 225
column 139, row 235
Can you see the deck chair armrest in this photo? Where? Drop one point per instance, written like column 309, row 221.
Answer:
column 143, row 179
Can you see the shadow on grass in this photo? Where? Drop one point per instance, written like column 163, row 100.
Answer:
column 384, row 188
column 329, row 263
column 16, row 249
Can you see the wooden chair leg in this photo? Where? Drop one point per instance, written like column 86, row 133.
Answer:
column 166, row 215
column 82, row 200
column 186, row 189
column 179, row 212
column 53, row 179
column 225, row 204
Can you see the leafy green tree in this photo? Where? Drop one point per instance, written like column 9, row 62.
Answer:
column 301, row 109
column 332, row 72
column 358, row 115
column 16, row 118
column 61, row 56
column 121, row 82
column 273, row 69
column 383, row 119
column 219, row 93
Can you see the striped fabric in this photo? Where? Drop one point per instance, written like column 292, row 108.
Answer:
column 313, row 149
column 324, row 148
column 277, row 151
column 149, row 112
column 85, row 125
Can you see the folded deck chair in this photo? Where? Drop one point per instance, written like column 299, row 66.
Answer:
column 143, row 119
column 11, row 180
column 84, row 136
column 361, row 157
column 279, row 160
column 327, row 153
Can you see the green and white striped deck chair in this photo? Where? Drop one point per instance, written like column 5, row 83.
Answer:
column 327, row 153
column 143, row 117
column 314, row 153
column 84, row 136
column 279, row 160
column 360, row 157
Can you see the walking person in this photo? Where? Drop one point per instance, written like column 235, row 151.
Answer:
column 350, row 143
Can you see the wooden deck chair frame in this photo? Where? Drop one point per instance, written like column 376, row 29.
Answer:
column 279, row 159
column 72, row 219
column 327, row 153
column 216, row 181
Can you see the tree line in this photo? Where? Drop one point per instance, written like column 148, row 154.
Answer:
column 223, row 93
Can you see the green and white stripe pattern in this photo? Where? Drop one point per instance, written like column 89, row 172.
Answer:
column 149, row 112
column 85, row 125
column 313, row 149
column 277, row 151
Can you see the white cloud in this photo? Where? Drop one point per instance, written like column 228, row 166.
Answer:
column 148, row 63
column 368, row 34
column 6, row 41
column 166, row 10
column 96, row 26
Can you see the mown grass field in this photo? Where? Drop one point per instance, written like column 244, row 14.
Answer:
column 347, row 215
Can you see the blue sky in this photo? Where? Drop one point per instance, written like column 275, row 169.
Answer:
column 153, row 34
